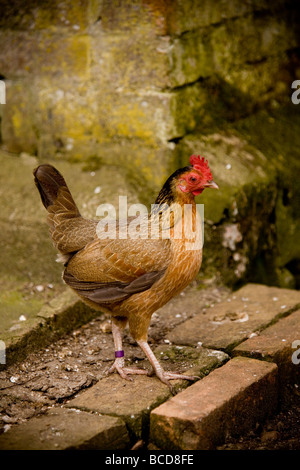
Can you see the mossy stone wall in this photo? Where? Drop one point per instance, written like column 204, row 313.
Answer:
column 141, row 74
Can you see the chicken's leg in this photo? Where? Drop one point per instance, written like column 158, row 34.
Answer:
column 159, row 371
column 119, row 364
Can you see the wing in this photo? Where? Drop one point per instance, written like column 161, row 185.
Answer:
column 109, row 292
column 112, row 270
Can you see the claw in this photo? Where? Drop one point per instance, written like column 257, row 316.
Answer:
column 118, row 366
column 166, row 376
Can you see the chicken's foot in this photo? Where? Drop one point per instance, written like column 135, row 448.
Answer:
column 159, row 371
column 119, row 364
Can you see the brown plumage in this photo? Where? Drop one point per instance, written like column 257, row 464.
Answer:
column 130, row 278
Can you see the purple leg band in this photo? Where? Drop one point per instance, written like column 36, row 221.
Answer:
column 119, row 353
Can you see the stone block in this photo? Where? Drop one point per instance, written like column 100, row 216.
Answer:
column 42, row 53
column 229, row 401
column 153, row 117
column 34, row 15
column 18, row 117
column 187, row 15
column 237, row 47
column 130, row 400
column 113, row 395
column 226, row 324
column 131, row 61
column 133, row 15
column 65, row 429
column 279, row 343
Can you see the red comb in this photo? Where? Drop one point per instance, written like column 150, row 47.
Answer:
column 201, row 164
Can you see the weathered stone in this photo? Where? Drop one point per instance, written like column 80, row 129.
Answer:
column 65, row 429
column 137, row 62
column 278, row 343
column 282, row 154
column 17, row 126
column 24, row 54
column 229, row 401
column 132, row 16
column 33, row 15
column 228, row 323
column 187, row 15
column 197, row 362
column 115, row 396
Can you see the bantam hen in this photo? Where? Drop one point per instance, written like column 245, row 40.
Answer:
column 130, row 277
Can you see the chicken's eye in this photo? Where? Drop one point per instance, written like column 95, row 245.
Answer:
column 192, row 179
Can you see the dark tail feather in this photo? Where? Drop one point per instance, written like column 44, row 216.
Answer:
column 48, row 180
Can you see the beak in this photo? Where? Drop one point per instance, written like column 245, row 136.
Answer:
column 212, row 184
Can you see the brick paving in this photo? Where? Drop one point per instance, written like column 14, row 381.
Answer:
column 252, row 337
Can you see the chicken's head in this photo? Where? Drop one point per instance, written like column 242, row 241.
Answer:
column 196, row 177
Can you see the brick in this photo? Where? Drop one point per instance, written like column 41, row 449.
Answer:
column 225, row 325
column 278, row 343
column 229, row 401
column 64, row 429
column 133, row 400
column 129, row 400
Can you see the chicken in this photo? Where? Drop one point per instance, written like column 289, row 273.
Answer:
column 130, row 277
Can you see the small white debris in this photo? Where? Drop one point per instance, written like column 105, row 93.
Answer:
column 14, row 379
column 22, row 318
column 283, row 306
column 50, row 286
column 243, row 316
column 275, row 299
column 228, row 166
column 199, row 344
column 6, row 427
column 76, row 27
column 93, row 173
column 97, row 190
column 252, row 335
column 231, row 236
column 178, row 315
column 39, row 288
column 167, row 341
column 283, row 340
